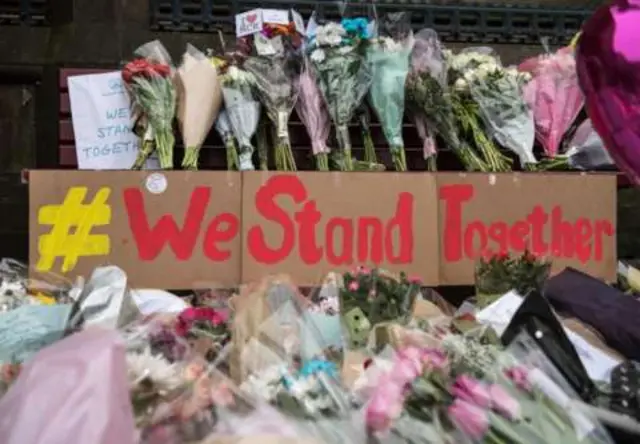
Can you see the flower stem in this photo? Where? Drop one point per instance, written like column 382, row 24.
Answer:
column 262, row 144
column 233, row 162
column 322, row 162
column 342, row 132
column 432, row 164
column 399, row 158
column 190, row 159
column 143, row 154
column 164, row 145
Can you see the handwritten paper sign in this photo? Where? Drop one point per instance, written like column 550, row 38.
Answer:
column 249, row 22
column 28, row 329
column 230, row 228
column 102, row 123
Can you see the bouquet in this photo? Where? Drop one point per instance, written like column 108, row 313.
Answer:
column 429, row 148
column 313, row 114
column 205, row 328
column 496, row 93
column 430, row 103
column 343, row 74
column 555, row 97
column 276, row 70
column 501, row 273
column 225, row 130
column 388, row 60
column 364, row 120
column 370, row 297
column 199, row 104
column 243, row 111
column 149, row 80
column 586, row 150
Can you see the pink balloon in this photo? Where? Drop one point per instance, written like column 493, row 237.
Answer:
column 608, row 63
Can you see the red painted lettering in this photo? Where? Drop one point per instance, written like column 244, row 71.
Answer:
column 544, row 233
column 182, row 241
column 344, row 240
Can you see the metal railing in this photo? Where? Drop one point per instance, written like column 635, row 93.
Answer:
column 461, row 22
column 24, row 12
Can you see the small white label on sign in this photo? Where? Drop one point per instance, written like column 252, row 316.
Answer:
column 156, row 183
column 249, row 22
column 275, row 16
column 298, row 21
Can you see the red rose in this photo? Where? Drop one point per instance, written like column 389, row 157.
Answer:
column 158, row 69
column 134, row 68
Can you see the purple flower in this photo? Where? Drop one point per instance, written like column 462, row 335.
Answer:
column 470, row 419
column 470, row 390
column 503, row 403
column 520, row 377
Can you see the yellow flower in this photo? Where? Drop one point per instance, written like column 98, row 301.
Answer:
column 44, row 299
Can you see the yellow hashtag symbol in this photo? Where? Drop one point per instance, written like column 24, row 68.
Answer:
column 72, row 222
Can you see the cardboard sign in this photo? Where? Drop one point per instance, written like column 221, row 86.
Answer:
column 100, row 114
column 210, row 229
column 187, row 233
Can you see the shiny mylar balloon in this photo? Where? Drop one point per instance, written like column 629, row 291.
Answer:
column 608, row 63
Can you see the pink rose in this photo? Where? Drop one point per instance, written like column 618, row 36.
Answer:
column 415, row 280
column 385, row 405
column 470, row 390
column 353, row 286
column 470, row 419
column 503, row 403
column 520, row 378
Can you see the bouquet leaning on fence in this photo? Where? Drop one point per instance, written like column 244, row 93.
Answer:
column 388, row 59
column 430, row 103
column 199, row 103
column 343, row 75
column 149, row 80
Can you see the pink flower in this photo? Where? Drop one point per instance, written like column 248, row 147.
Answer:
column 385, row 405
column 189, row 314
column 503, row 403
column 363, row 270
column 435, row 359
column 470, row 390
column 470, row 419
column 520, row 377
column 353, row 286
column 415, row 280
column 408, row 365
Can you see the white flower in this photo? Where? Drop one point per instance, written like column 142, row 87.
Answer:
column 346, row 49
column 318, row 56
column 164, row 375
column 461, row 85
column 330, row 34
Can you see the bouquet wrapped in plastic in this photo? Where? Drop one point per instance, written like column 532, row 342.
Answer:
column 337, row 55
column 149, row 80
column 243, row 110
column 554, row 95
column 313, row 114
column 497, row 95
column 429, row 100
column 371, row 297
column 276, row 70
column 388, row 60
column 225, row 131
column 199, row 102
column 586, row 151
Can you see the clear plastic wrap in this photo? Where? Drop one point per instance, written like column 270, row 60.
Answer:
column 586, row 150
column 225, row 131
column 336, row 52
column 276, row 84
column 199, row 102
column 149, row 80
column 243, row 110
column 554, row 95
column 313, row 113
column 429, row 147
column 388, row 60
column 498, row 94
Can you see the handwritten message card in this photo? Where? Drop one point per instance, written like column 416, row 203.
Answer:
column 28, row 329
column 102, row 123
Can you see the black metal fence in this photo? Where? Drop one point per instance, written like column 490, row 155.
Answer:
column 454, row 22
column 24, row 12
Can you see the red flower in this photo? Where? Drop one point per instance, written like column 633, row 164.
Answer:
column 529, row 256
column 144, row 68
column 501, row 257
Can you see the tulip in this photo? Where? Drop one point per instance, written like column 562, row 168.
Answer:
column 469, row 390
column 519, row 376
column 470, row 419
column 385, row 405
column 503, row 403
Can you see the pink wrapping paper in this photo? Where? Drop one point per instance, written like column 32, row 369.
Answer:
column 75, row 391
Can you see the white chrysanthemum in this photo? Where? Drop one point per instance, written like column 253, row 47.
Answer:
column 318, row 55
column 266, row 384
column 164, row 375
column 461, row 85
column 330, row 34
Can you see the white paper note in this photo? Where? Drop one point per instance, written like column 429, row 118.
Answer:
column 100, row 113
